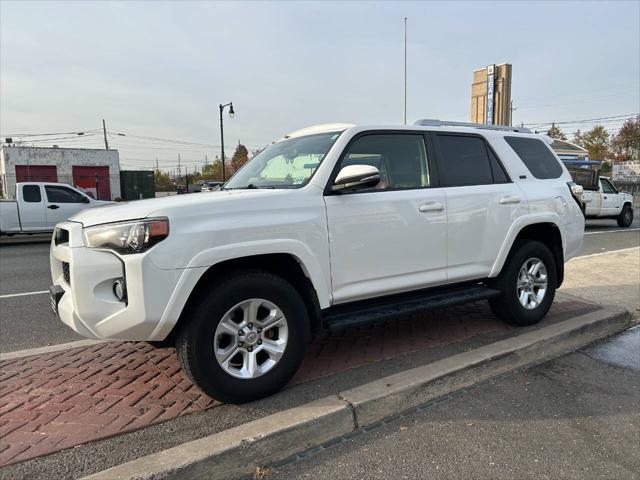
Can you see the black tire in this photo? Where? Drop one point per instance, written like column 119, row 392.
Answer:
column 625, row 219
column 507, row 306
column 195, row 341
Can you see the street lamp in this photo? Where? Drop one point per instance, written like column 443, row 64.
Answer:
column 231, row 114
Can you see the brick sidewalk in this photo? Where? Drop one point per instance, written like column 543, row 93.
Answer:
column 59, row 400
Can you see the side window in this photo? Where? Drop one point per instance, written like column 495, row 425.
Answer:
column 536, row 156
column 499, row 175
column 464, row 161
column 63, row 195
column 607, row 187
column 31, row 193
column 401, row 159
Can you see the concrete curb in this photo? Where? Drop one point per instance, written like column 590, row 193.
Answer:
column 49, row 349
column 238, row 451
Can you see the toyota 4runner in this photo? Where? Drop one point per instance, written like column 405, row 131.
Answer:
column 329, row 227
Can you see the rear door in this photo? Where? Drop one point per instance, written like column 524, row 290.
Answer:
column 62, row 203
column 482, row 203
column 31, row 208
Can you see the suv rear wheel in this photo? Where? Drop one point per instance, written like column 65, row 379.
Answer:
column 527, row 283
column 246, row 339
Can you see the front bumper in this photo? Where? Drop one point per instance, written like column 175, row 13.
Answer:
column 88, row 304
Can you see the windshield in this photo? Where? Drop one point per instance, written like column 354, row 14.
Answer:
column 286, row 164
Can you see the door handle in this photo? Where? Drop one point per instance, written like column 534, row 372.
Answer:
column 431, row 207
column 509, row 199
column 53, row 207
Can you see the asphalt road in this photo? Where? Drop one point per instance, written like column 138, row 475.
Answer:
column 576, row 417
column 26, row 321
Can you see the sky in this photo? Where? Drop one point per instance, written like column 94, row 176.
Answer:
column 159, row 70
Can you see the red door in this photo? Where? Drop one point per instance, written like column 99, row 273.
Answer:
column 94, row 181
column 36, row 173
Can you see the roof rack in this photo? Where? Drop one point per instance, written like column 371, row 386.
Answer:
column 433, row 122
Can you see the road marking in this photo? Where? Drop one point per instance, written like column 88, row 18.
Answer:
column 600, row 254
column 51, row 348
column 23, row 294
column 613, row 231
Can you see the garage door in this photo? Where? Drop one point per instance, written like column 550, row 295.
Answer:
column 94, row 181
column 36, row 173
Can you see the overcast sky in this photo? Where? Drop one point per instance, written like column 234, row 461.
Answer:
column 161, row 69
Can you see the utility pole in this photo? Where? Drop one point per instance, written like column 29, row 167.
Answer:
column 511, row 110
column 157, row 166
column 178, row 166
column 104, row 131
column 405, row 70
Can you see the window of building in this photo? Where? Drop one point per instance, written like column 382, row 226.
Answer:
column 31, row 193
column 464, row 161
column 64, row 195
column 536, row 156
column 400, row 158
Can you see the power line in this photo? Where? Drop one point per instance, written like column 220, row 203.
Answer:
column 586, row 120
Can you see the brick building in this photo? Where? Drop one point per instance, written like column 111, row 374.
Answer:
column 97, row 172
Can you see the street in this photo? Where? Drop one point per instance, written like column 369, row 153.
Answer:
column 27, row 321
column 577, row 417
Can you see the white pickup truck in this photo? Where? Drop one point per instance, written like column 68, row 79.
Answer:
column 608, row 202
column 329, row 227
column 39, row 206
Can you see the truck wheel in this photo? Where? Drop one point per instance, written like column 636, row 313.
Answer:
column 626, row 216
column 527, row 284
column 245, row 339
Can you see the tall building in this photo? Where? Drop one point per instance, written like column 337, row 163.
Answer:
column 491, row 95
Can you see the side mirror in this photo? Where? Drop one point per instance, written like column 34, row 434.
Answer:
column 355, row 177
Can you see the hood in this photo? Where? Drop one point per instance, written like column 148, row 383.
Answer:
column 134, row 210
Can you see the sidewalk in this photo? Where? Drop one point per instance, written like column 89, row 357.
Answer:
column 59, row 400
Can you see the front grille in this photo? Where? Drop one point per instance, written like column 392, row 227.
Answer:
column 61, row 236
column 66, row 273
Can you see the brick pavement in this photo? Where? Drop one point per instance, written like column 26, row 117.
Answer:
column 62, row 399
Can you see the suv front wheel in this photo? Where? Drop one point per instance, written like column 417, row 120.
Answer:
column 245, row 339
column 527, row 284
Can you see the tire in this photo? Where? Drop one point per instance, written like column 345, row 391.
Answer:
column 508, row 306
column 625, row 219
column 233, row 300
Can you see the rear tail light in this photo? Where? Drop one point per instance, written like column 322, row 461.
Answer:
column 576, row 192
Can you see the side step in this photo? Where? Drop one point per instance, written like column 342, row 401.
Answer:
column 365, row 312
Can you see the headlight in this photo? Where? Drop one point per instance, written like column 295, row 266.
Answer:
column 128, row 237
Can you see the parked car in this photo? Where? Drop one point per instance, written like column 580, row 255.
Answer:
column 209, row 186
column 39, row 206
column 608, row 202
column 329, row 227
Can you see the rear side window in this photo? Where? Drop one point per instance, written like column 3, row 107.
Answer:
column 31, row 193
column 536, row 156
column 464, row 161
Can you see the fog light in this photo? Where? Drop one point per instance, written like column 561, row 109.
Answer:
column 120, row 290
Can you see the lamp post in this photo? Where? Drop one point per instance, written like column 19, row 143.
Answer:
column 231, row 114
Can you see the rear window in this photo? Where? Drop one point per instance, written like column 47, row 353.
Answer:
column 465, row 161
column 31, row 193
column 536, row 156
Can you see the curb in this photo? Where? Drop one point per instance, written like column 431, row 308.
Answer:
column 239, row 451
column 49, row 349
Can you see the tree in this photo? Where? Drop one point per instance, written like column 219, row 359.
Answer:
column 596, row 141
column 163, row 182
column 555, row 132
column 625, row 145
column 577, row 138
column 213, row 171
column 239, row 158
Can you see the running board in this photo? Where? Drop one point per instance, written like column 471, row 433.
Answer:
column 378, row 310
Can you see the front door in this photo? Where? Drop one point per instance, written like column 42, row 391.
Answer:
column 392, row 237
column 611, row 201
column 62, row 203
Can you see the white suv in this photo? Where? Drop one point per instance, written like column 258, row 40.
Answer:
column 329, row 227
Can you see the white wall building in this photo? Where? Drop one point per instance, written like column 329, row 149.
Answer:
column 94, row 171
